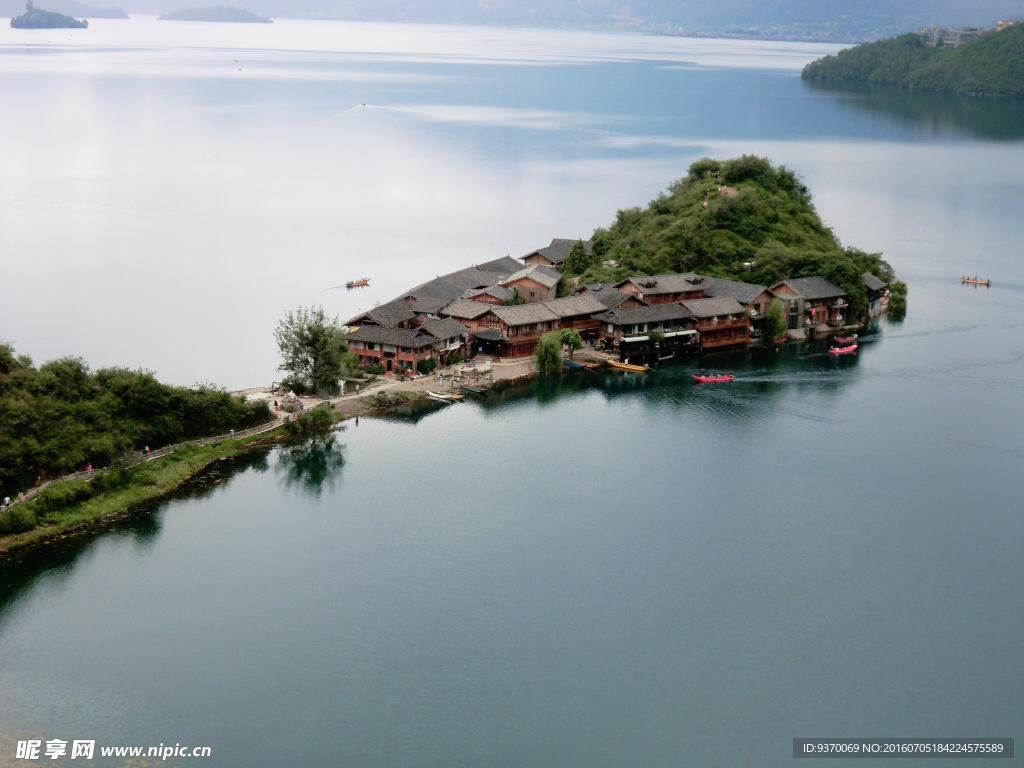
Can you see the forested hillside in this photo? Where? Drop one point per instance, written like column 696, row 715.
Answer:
column 724, row 214
column 59, row 417
column 991, row 66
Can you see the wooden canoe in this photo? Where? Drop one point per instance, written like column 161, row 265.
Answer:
column 628, row 367
column 975, row 282
column 843, row 350
column 713, row 379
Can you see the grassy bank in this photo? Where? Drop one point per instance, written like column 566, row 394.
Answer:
column 66, row 506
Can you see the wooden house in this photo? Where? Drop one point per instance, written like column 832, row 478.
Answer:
column 876, row 290
column 812, row 301
column 721, row 320
column 556, row 253
column 628, row 329
column 535, row 283
column 664, row 289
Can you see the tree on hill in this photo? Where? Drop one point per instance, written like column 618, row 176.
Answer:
column 577, row 261
column 755, row 212
column 313, row 349
column 549, row 354
column 897, row 308
column 516, row 300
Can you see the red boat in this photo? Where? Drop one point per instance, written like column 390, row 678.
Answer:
column 843, row 350
column 845, row 341
column 357, row 283
column 712, row 379
column 780, row 340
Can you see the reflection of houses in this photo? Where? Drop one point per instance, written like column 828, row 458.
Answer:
column 812, row 301
column 722, row 321
column 554, row 254
column 876, row 289
column 628, row 329
column 535, row 283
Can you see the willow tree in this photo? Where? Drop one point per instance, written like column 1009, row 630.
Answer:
column 549, row 354
column 775, row 321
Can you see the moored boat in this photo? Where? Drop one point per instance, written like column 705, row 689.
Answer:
column 573, row 364
column 843, row 350
column 780, row 340
column 713, row 379
column 845, row 341
column 439, row 395
column 357, row 283
column 628, row 367
column 474, row 390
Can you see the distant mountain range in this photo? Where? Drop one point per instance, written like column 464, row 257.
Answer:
column 848, row 20
column 220, row 13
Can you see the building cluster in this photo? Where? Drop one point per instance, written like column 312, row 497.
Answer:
column 953, row 38
column 465, row 313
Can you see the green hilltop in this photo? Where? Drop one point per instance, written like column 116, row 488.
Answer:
column 37, row 18
column 754, row 212
column 990, row 66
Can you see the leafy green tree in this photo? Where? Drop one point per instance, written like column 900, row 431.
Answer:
column 577, row 261
column 775, row 321
column 312, row 348
column 516, row 300
column 897, row 308
column 549, row 354
column 657, row 336
column 571, row 338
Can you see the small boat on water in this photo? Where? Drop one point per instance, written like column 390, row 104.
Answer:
column 439, row 395
column 474, row 390
column 975, row 281
column 780, row 340
column 574, row 364
column 628, row 367
column 843, row 350
column 713, row 379
column 845, row 341
column 357, row 283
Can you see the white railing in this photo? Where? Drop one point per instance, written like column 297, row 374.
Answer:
column 166, row 450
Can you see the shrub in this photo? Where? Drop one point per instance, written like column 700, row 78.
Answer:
column 775, row 321
column 897, row 308
column 18, row 520
column 426, row 366
column 375, row 370
column 312, row 420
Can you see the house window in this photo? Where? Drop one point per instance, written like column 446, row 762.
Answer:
column 370, row 345
column 611, row 329
column 531, row 294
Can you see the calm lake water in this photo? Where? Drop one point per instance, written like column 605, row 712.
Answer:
column 603, row 571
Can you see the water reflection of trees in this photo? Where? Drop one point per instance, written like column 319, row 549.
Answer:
column 931, row 114
column 313, row 463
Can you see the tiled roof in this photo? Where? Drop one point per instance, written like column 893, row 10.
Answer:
column 524, row 313
column 655, row 285
column 815, row 288
column 400, row 337
column 744, row 293
column 718, row 306
column 497, row 291
column 570, row 306
column 652, row 314
column 444, row 328
column 505, row 264
column 465, row 308
column 607, row 294
column 387, row 315
column 543, row 275
column 873, row 283
column 429, row 305
column 559, row 250
column 490, row 334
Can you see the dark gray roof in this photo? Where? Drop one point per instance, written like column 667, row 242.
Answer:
column 607, row 294
column 386, row 315
column 429, row 305
column 537, row 272
column 524, row 313
column 718, row 306
column 873, row 283
column 559, row 250
column 572, row 306
column 401, row 337
column 505, row 264
column 744, row 293
column 467, row 309
column 497, row 291
column 815, row 288
column 444, row 328
column 490, row 334
column 652, row 314
column 654, row 285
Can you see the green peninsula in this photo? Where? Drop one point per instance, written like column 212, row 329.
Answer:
column 742, row 219
column 220, row 13
column 37, row 18
column 992, row 65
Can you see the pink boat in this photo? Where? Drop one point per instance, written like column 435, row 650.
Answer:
column 712, row 379
column 843, row 350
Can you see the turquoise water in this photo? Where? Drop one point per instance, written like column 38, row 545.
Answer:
column 606, row 570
